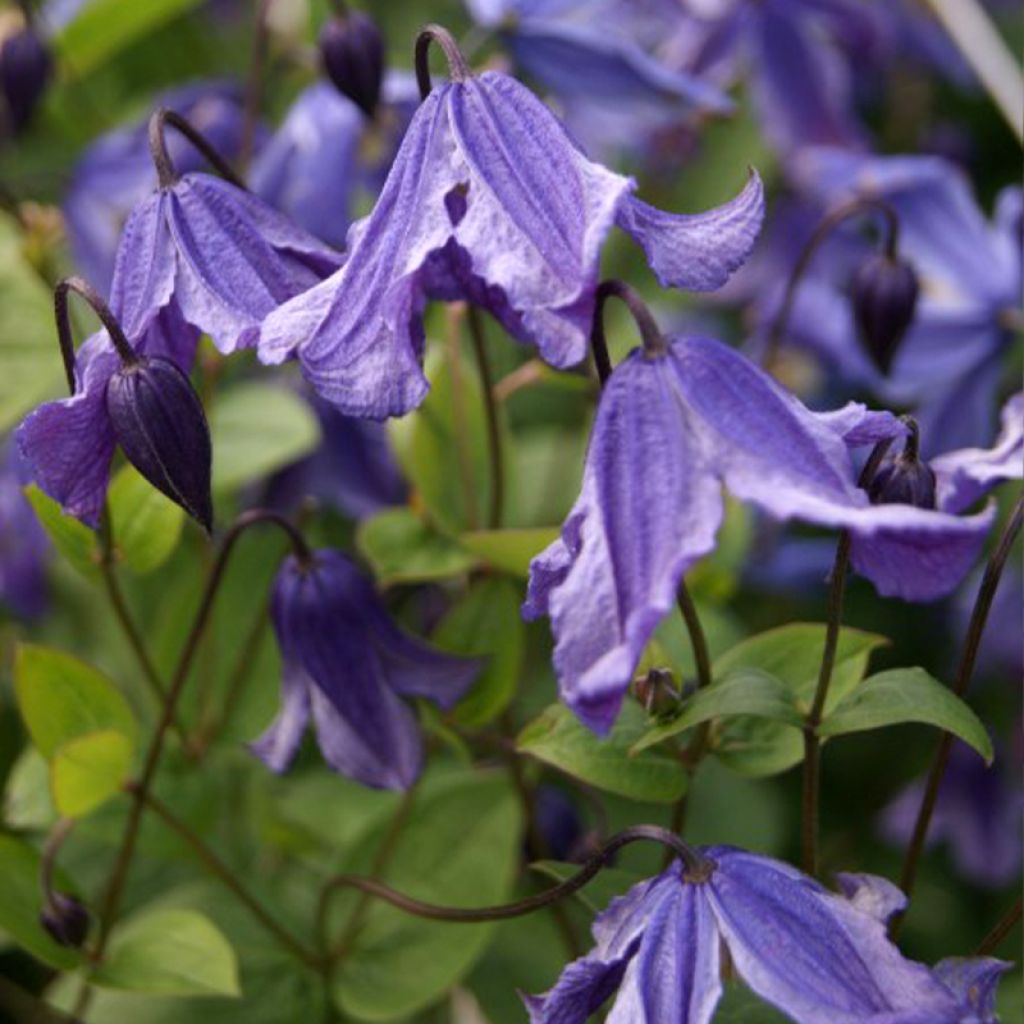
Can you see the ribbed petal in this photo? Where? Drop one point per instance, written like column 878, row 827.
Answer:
column 974, row 981
column 279, row 744
column 873, row 895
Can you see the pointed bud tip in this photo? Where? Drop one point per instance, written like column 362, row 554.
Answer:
column 65, row 919
column 884, row 294
column 352, row 54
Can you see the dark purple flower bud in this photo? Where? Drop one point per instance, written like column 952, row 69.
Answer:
column 905, row 479
column 884, row 294
column 160, row 425
column 66, row 919
column 25, row 68
column 559, row 824
column 352, row 52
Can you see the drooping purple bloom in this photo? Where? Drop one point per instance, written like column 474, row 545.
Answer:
column 326, row 155
column 978, row 815
column 352, row 54
column 671, row 430
column 948, row 368
column 347, row 666
column 116, row 172
column 24, row 549
column 26, row 66
column 488, row 201
column 68, row 444
column 819, row 958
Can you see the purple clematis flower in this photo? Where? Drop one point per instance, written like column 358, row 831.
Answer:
column 24, row 548
column 348, row 666
column 948, row 368
column 68, row 444
column 116, row 172
column 490, row 202
column 818, row 957
column 671, row 429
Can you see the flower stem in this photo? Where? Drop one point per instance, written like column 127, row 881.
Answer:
column 1002, row 929
column 117, row 336
column 494, row 445
column 965, row 672
column 458, row 69
column 254, row 82
column 167, row 175
column 653, row 340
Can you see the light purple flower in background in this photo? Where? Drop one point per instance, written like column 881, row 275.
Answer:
column 116, row 172
column 670, row 431
column 68, row 444
column 326, row 155
column 948, row 368
column 816, row 956
column 347, row 666
column 24, row 548
column 488, row 201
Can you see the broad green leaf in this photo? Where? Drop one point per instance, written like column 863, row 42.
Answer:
column 88, row 770
column 904, row 695
column 509, row 550
column 257, row 429
column 74, row 540
column 62, row 698
column 28, row 804
column 146, row 523
column 486, row 622
column 459, row 847
column 21, row 903
column 442, row 446
column 402, row 548
column 102, row 28
column 170, row 951
column 557, row 738
column 599, row 891
column 744, row 691
column 792, row 654
column 30, row 364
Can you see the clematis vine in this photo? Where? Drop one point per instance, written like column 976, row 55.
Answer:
column 678, row 420
column 490, row 202
column 347, row 666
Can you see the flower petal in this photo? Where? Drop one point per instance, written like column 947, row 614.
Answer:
column 974, row 981
column 279, row 744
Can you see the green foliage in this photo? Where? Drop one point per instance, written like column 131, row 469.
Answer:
column 74, row 540
column 509, row 551
column 558, row 739
column 146, row 524
column 402, row 548
column 88, row 770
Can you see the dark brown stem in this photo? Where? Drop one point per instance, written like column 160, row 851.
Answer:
column 965, row 672
column 227, row 877
column 165, row 170
column 653, row 340
column 825, row 228
column 458, row 69
column 254, row 83
column 1002, row 929
column 494, row 445
column 117, row 337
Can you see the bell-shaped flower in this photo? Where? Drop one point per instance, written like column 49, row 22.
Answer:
column 672, row 429
column 215, row 251
column 24, row 548
column 818, row 957
column 490, row 202
column 348, row 667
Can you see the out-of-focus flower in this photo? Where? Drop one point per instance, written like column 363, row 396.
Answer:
column 348, row 666
column 24, row 549
column 352, row 54
column 25, row 70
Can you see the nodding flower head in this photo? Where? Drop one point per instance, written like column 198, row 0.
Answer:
column 884, row 294
column 65, row 918
column 352, row 54
column 25, row 70
column 904, row 479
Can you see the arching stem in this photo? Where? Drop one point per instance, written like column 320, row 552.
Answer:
column 167, row 175
column 458, row 69
column 81, row 287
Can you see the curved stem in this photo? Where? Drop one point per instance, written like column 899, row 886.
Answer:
column 458, row 69
column 965, row 672
column 697, row 869
column 494, row 446
column 51, row 848
column 165, row 170
column 653, row 340
column 81, row 287
column 825, row 228
column 254, row 83
column 1003, row 927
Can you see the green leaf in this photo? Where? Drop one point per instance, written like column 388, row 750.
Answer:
column 102, row 28
column 170, row 951
column 486, row 622
column 740, row 1006
column 744, row 691
column 599, row 891
column 904, row 695
column 257, row 429
column 30, row 364
column 459, row 847
column 74, row 540
column 62, row 698
column 28, row 804
column 21, row 903
column 88, row 770
column 146, row 523
column 402, row 548
column 509, row 550
column 558, row 739
column 442, row 446
column 792, row 654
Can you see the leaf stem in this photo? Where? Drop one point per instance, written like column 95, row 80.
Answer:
column 494, row 445
column 1000, row 931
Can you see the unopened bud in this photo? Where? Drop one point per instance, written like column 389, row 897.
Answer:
column 884, row 295
column 66, row 919
column 905, row 479
column 352, row 52
column 25, row 68
column 160, row 425
column 657, row 692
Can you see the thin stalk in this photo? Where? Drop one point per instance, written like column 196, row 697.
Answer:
column 1002, row 929
column 228, row 878
column 254, row 83
column 653, row 340
column 455, row 314
column 494, row 445
column 166, row 173
column 458, row 69
column 965, row 672
column 81, row 287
